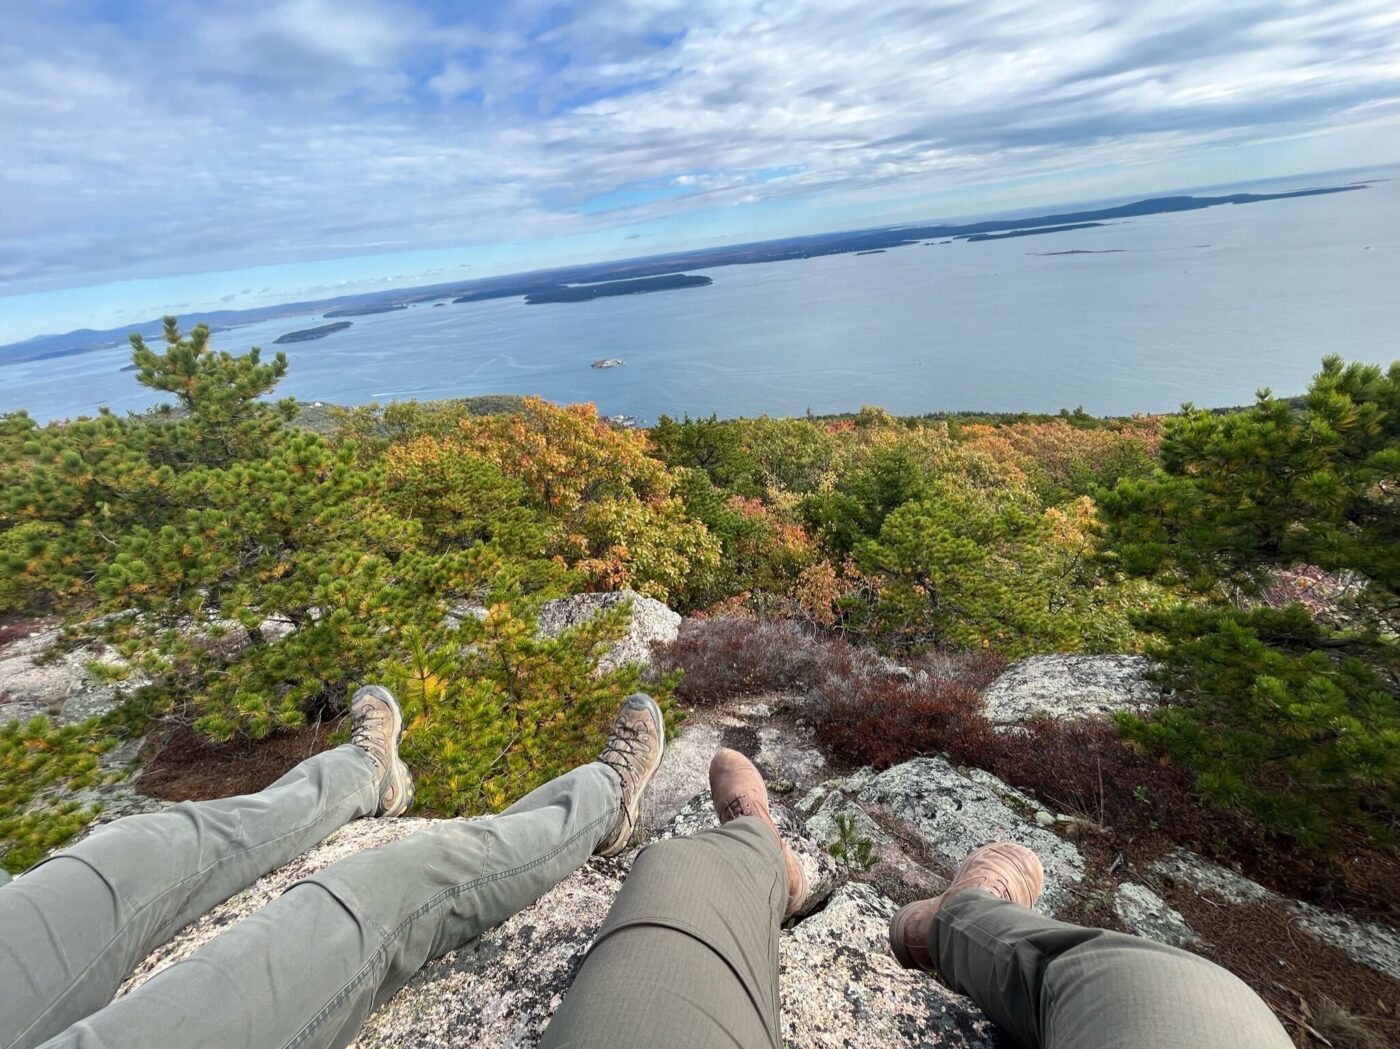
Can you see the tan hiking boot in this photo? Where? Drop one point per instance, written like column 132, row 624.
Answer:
column 633, row 751
column 376, row 727
column 738, row 790
column 1005, row 869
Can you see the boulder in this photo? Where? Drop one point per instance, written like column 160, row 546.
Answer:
column 651, row 622
column 952, row 814
column 1070, row 687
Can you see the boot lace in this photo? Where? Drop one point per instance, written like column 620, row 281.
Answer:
column 369, row 732
column 627, row 743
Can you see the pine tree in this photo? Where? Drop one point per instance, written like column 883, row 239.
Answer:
column 1293, row 718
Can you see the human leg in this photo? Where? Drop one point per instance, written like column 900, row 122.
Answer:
column 73, row 927
column 1053, row 985
column 688, row 954
column 307, row 969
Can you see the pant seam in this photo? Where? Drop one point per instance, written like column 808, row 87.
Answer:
column 77, row 979
column 442, row 897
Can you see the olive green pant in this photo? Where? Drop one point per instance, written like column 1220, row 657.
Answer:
column 689, row 957
column 308, row 968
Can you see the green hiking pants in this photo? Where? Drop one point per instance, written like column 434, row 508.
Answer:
column 307, row 969
column 688, row 956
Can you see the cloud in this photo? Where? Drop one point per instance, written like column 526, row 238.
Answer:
column 166, row 136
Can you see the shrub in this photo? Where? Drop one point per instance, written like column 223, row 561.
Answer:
column 1282, row 718
column 40, row 766
column 723, row 659
column 1292, row 720
column 493, row 711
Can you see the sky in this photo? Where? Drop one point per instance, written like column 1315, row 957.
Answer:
column 178, row 155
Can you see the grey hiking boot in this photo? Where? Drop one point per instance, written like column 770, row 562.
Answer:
column 1004, row 869
column 738, row 789
column 633, row 751
column 376, row 726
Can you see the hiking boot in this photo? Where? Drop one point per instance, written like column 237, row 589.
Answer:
column 1006, row 870
column 633, row 751
column 376, row 726
column 738, row 790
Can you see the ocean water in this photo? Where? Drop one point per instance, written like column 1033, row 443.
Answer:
column 1205, row 306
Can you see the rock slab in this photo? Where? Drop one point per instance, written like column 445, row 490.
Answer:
column 1070, row 688
column 651, row 623
column 953, row 814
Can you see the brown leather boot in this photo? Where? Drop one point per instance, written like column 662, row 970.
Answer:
column 738, row 790
column 1006, row 870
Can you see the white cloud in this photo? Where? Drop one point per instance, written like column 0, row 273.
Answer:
column 205, row 134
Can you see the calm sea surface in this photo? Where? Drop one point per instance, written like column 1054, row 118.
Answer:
column 1204, row 306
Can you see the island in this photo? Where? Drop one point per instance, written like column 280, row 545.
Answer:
column 877, row 251
column 307, row 334
column 607, row 289
column 508, row 291
column 1078, row 251
column 365, row 311
column 1031, row 232
column 609, row 362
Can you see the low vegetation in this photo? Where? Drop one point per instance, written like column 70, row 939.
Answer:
column 254, row 570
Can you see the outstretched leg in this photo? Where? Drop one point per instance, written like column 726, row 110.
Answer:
column 308, row 968
column 74, row 926
column 1052, row 985
column 688, row 955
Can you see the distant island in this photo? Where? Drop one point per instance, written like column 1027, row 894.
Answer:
column 365, row 311
column 1032, row 232
column 1078, row 251
column 608, row 289
column 307, row 334
column 877, row 251
column 609, row 362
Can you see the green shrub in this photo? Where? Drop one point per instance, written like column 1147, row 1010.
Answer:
column 493, row 711
column 1280, row 717
column 40, row 765
column 1291, row 717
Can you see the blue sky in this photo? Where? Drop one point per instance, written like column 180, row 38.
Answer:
column 175, row 155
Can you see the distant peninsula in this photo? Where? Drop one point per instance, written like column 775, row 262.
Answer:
column 607, row 289
column 365, row 311
column 307, row 334
column 1032, row 232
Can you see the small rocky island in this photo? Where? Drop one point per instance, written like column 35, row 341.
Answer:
column 307, row 334
column 607, row 289
column 609, row 362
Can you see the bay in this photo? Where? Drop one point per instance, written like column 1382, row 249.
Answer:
column 1204, row 306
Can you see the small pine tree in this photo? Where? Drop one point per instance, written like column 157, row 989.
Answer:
column 1295, row 719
